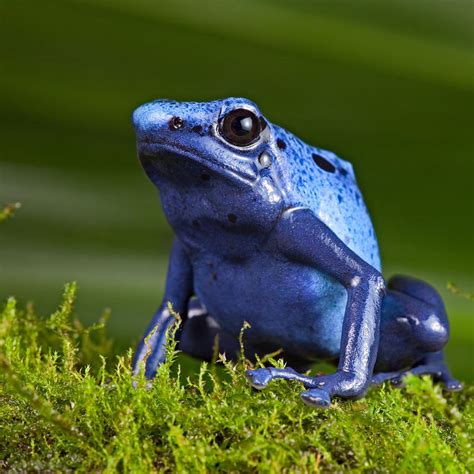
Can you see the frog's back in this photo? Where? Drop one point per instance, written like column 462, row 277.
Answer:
column 326, row 184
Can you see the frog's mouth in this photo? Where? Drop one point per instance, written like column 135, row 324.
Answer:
column 156, row 149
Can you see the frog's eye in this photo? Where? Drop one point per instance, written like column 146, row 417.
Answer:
column 240, row 127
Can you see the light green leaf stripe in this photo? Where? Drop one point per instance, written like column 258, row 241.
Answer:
column 285, row 28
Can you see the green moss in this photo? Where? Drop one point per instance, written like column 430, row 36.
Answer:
column 67, row 402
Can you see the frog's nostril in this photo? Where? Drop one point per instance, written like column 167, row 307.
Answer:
column 176, row 123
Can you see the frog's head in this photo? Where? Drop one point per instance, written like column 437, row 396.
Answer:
column 222, row 156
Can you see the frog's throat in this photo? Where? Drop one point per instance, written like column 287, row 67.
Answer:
column 153, row 150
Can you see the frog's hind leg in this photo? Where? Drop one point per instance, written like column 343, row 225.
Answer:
column 432, row 364
column 435, row 365
column 201, row 332
column 414, row 330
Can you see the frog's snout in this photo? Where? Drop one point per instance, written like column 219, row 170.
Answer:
column 152, row 119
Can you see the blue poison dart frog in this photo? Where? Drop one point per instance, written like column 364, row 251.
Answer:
column 275, row 232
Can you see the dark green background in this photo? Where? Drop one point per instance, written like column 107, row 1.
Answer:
column 388, row 85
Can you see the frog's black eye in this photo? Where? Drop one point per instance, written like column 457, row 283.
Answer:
column 176, row 123
column 240, row 127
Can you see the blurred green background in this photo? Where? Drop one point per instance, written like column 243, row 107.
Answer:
column 387, row 85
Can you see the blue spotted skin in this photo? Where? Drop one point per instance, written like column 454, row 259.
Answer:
column 288, row 247
column 334, row 197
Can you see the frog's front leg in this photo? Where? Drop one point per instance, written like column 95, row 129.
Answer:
column 302, row 237
column 178, row 292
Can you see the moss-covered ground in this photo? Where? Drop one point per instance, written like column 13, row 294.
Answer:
column 67, row 402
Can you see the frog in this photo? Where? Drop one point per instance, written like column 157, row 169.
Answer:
column 273, row 234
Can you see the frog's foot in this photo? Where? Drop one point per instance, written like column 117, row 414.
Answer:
column 316, row 397
column 438, row 372
column 432, row 364
column 260, row 378
column 339, row 384
column 321, row 388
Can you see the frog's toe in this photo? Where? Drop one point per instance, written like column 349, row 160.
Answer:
column 398, row 381
column 452, row 385
column 316, row 398
column 259, row 378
